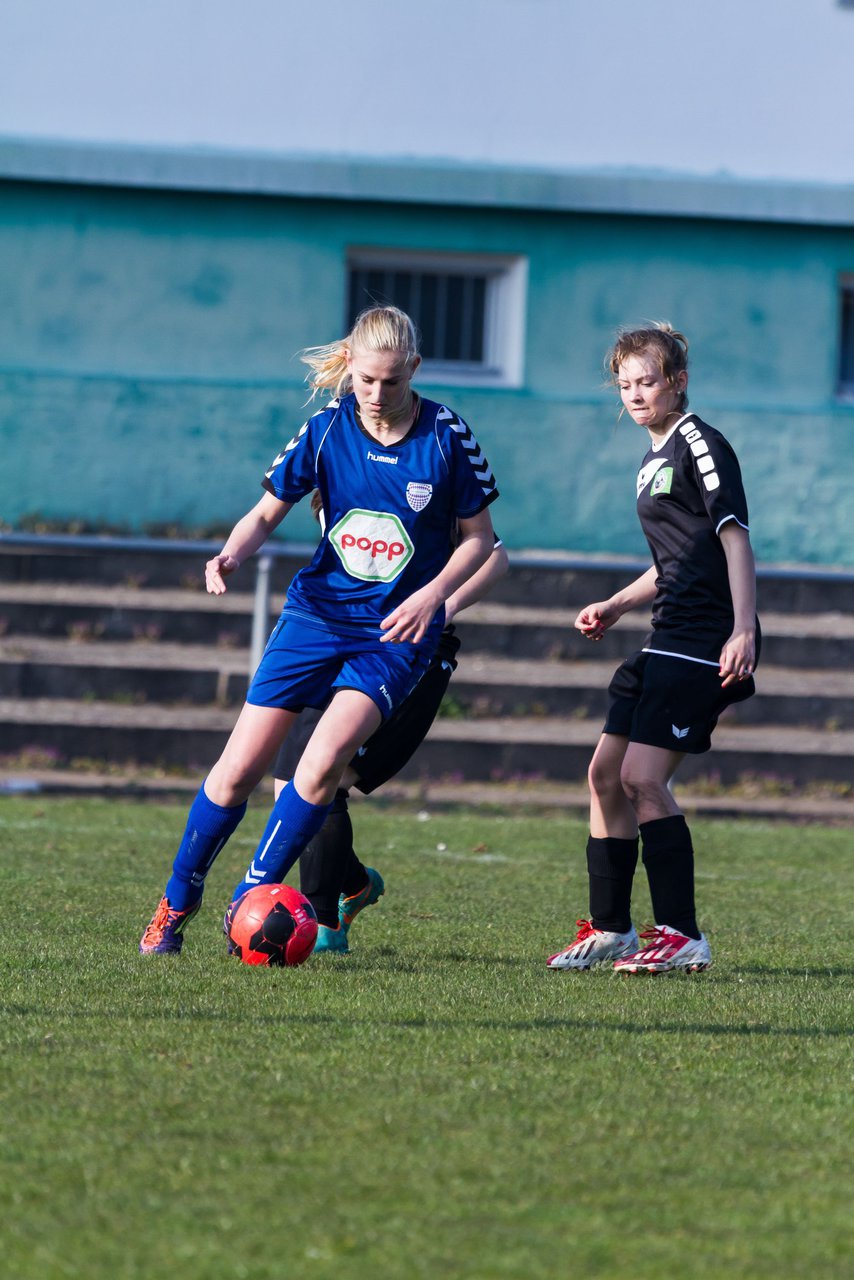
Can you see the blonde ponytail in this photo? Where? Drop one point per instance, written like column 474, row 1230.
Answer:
column 377, row 329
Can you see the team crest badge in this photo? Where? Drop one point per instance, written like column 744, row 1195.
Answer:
column 663, row 481
column 418, row 494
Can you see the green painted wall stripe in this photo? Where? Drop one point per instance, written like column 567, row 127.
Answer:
column 148, row 370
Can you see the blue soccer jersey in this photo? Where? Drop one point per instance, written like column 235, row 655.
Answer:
column 390, row 510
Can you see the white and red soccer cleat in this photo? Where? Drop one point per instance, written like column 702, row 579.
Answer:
column 594, row 946
column 667, row 949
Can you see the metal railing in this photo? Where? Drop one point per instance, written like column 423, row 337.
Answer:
column 305, row 550
column 263, row 561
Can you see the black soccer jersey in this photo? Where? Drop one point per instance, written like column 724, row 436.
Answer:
column 688, row 489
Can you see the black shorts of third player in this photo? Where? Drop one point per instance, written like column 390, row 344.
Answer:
column 398, row 738
column 669, row 702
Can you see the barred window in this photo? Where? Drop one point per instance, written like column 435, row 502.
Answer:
column 469, row 309
column 846, row 338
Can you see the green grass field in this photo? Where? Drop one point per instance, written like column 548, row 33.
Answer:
column 437, row 1104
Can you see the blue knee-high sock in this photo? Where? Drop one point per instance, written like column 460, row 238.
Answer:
column 208, row 827
column 292, row 823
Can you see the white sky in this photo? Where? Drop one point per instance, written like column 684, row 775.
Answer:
column 756, row 88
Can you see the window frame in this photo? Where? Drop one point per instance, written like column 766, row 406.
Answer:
column 506, row 277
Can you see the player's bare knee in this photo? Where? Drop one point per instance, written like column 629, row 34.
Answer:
column 227, row 787
column 641, row 791
column 603, row 780
column 317, row 775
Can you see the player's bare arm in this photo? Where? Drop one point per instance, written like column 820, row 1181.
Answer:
column 738, row 656
column 250, row 533
column 410, row 620
column 595, row 619
column 477, row 586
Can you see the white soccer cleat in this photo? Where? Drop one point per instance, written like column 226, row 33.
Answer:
column 594, row 946
column 667, row 949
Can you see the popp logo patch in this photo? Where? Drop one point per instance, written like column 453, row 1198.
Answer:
column 371, row 545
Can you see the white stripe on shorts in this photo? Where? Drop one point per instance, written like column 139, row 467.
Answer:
column 664, row 653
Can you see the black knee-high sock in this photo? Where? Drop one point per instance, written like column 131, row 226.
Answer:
column 668, row 856
column 325, row 861
column 611, row 866
column 355, row 876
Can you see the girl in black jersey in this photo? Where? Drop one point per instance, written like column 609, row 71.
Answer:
column 664, row 701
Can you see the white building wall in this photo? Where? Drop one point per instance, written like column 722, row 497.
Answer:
column 747, row 88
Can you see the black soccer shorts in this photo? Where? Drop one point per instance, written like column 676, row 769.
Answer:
column 669, row 702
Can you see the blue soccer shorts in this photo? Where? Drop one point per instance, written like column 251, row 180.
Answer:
column 303, row 665
column 397, row 739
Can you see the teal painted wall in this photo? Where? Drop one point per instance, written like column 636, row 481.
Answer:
column 148, row 369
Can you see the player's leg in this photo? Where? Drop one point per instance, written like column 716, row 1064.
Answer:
column 323, row 861
column 611, row 813
column 331, row 873
column 322, row 867
column 668, row 856
column 332, row 876
column 612, row 853
column 302, row 805
column 326, row 857
column 329, row 864
column 381, row 758
column 288, row 755
column 680, row 703
column 214, row 815
column 612, row 846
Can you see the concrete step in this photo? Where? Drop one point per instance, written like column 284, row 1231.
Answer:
column 93, row 611
column 176, row 615
column 134, row 671
column 809, row 641
column 821, row 805
column 485, row 685
column 504, row 749
column 149, row 563
column 536, row 578
column 477, row 750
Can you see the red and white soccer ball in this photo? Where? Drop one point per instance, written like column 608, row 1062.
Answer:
column 273, row 924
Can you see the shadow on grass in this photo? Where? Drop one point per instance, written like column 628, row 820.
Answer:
column 440, row 1024
column 350, row 963
column 794, row 971
column 487, row 962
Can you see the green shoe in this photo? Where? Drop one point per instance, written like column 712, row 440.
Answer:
column 331, row 940
column 349, row 908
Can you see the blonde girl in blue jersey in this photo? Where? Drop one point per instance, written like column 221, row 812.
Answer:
column 397, row 474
